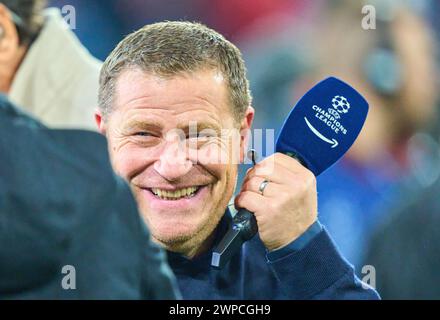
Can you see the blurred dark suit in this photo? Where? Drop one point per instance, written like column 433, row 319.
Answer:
column 61, row 204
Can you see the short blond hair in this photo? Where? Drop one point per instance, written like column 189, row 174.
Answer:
column 169, row 48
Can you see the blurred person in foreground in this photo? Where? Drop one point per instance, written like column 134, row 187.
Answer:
column 62, row 207
column 43, row 66
column 394, row 67
column 173, row 95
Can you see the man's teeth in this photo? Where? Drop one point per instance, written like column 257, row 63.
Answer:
column 176, row 194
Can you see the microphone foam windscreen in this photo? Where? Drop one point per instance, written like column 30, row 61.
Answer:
column 323, row 125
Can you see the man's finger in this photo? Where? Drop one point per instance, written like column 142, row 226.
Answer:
column 254, row 184
column 281, row 159
column 250, row 201
column 278, row 174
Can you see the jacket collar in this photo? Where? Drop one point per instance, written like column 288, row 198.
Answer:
column 203, row 262
column 38, row 80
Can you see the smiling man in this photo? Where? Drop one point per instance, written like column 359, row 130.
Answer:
column 173, row 95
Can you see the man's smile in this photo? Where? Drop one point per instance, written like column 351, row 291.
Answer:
column 171, row 195
column 174, row 199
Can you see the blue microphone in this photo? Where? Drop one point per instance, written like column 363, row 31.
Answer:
column 319, row 130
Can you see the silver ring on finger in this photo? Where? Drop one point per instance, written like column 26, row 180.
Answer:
column 263, row 186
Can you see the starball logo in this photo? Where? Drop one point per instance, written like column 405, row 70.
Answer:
column 340, row 104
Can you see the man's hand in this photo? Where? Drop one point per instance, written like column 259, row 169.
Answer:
column 288, row 205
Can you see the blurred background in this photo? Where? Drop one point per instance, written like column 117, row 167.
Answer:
column 288, row 46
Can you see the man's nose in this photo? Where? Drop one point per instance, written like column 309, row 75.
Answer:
column 173, row 163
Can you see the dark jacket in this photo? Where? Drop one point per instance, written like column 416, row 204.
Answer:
column 61, row 205
column 316, row 271
column 405, row 250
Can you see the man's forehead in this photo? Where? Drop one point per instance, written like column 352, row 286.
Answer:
column 205, row 82
column 204, row 91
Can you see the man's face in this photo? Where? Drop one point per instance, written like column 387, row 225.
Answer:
column 181, row 186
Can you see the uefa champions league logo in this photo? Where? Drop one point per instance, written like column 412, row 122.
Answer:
column 331, row 118
column 340, row 106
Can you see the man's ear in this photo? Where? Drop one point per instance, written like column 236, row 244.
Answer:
column 245, row 130
column 100, row 123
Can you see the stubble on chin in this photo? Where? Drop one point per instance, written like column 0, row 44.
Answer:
column 194, row 243
column 198, row 241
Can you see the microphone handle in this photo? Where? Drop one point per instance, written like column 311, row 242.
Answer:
column 243, row 227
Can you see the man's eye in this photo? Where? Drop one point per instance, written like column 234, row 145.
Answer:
column 143, row 134
column 200, row 135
